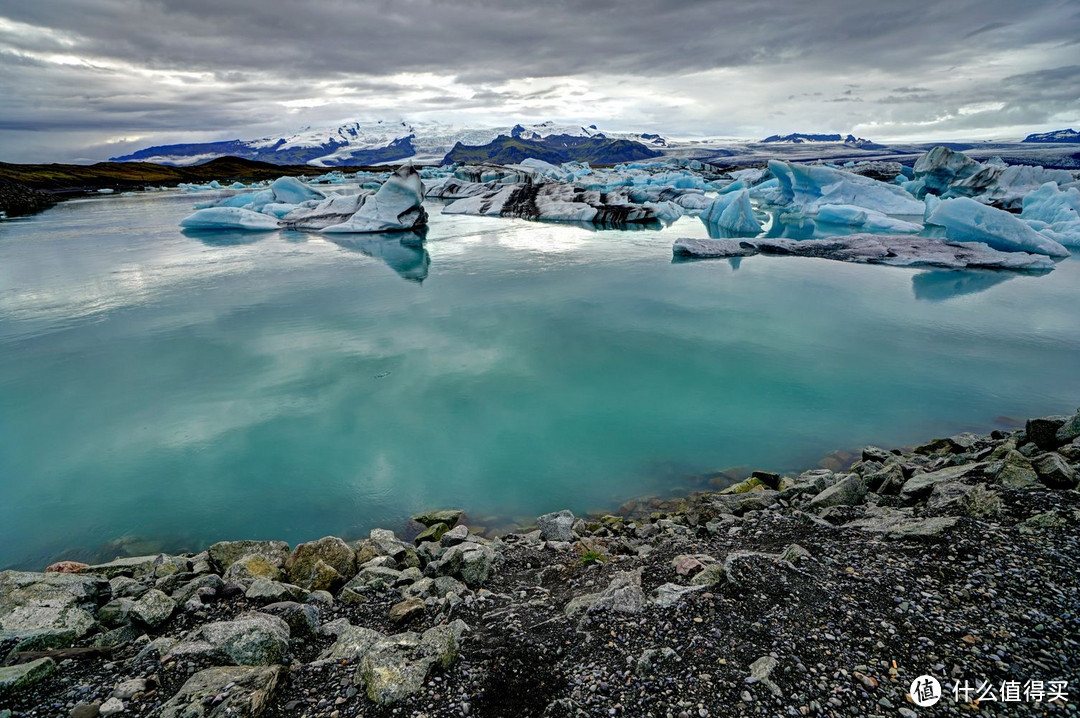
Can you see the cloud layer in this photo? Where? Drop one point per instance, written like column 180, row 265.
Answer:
column 84, row 79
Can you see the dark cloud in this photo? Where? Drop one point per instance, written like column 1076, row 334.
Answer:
column 173, row 70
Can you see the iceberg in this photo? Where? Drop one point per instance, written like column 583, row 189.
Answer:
column 229, row 218
column 866, row 219
column 732, row 212
column 811, row 187
column 554, row 202
column 900, row 251
column 396, row 206
column 1006, row 187
column 335, row 209
column 1054, row 212
column 941, row 167
column 289, row 190
column 965, row 220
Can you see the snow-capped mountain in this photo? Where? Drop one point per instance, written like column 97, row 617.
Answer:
column 800, row 138
column 368, row 143
column 1068, row 135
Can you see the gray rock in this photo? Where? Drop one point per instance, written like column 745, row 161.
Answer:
column 254, row 566
column 320, row 598
column 622, row 595
column 1043, row 431
column 238, row 692
column 126, row 690
column 157, row 566
column 898, row 524
column 48, row 610
column 126, row 587
column 352, row 642
column 323, row 565
column 1069, row 431
column 454, row 536
column 1054, row 471
column 116, row 637
column 387, row 544
column 557, row 526
column 116, row 612
column 303, row 619
column 224, row 554
column 16, row 678
column 450, row 517
column 111, row 707
column 761, row 670
column 1016, row 472
column 888, row 481
column 669, row 594
column 406, row 610
column 254, row 639
column 739, row 504
column 920, row 485
column 848, row 491
column 375, row 577
column 794, row 554
column 712, row 575
column 265, row 591
column 396, row 667
column 192, row 588
column 153, row 608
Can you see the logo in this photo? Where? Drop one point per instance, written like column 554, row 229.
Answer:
column 925, row 691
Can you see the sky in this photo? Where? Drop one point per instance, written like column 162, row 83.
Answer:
column 82, row 80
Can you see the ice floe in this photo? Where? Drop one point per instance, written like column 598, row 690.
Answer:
column 229, row 218
column 810, row 187
column 902, row 251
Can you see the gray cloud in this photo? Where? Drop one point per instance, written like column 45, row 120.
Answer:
column 166, row 70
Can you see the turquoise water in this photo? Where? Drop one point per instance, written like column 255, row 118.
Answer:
column 167, row 390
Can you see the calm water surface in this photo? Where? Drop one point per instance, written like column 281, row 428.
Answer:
column 167, row 390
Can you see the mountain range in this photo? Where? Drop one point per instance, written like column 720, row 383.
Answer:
column 371, row 143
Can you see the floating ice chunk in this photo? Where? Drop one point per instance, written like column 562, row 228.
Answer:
column 965, row 220
column 553, row 202
column 693, row 202
column 278, row 209
column 1055, row 213
column 941, row 167
column 335, row 209
column 1006, row 187
column 811, row 187
column 732, row 212
column 237, row 185
column 768, row 191
column 931, row 201
column 229, row 218
column 733, row 187
column 866, row 219
column 751, row 176
column 664, row 211
column 292, row 191
column 902, row 251
column 396, row 206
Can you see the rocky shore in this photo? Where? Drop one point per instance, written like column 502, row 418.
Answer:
column 825, row 593
column 18, row 199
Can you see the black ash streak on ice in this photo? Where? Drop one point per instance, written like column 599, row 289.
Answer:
column 828, row 592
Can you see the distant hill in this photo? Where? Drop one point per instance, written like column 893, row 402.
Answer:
column 1054, row 137
column 800, row 138
column 598, row 150
column 367, row 143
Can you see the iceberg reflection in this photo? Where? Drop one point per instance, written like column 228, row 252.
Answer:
column 401, row 251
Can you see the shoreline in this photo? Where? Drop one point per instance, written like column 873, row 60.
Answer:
column 822, row 593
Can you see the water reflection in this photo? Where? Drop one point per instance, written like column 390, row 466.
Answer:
column 401, row 251
column 226, row 237
column 940, row 285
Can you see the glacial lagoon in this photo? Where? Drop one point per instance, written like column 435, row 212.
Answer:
column 163, row 389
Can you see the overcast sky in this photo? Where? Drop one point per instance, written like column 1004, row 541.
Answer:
column 87, row 79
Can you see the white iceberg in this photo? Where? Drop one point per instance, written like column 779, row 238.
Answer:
column 865, row 219
column 335, row 209
column 1006, row 187
column 810, row 187
column 732, row 212
column 396, row 206
column 966, row 220
column 229, row 218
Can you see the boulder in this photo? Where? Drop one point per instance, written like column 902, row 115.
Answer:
column 1054, row 471
column 919, row 486
column 450, row 517
column 323, row 565
column 406, row 610
column 899, row 524
column 48, row 610
column 153, row 608
column 1069, row 431
column 254, row 639
column 236, row 691
column 395, row 667
column 303, row 619
column 669, row 594
column 1016, row 472
column 887, row 481
column 224, row 554
column 67, row 567
column 266, row 591
column 352, row 642
column 1043, row 431
column 557, row 526
column 156, row 566
column 431, row 533
column 15, row 678
column 848, row 491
